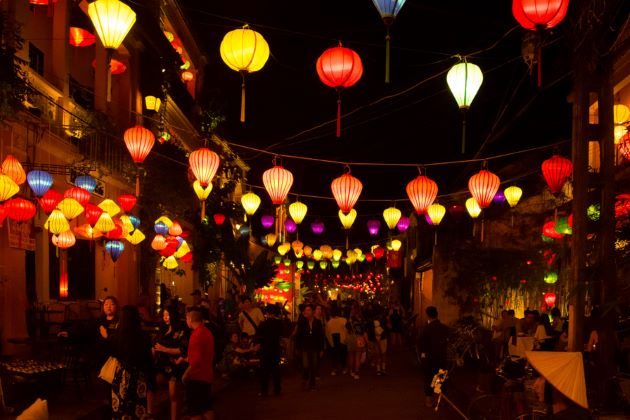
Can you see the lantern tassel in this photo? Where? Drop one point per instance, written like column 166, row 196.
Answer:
column 203, row 210
column 339, row 116
column 387, row 55
column 243, row 98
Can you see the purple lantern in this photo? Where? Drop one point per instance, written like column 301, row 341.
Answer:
column 373, row 227
column 290, row 225
column 403, row 224
column 499, row 197
column 317, row 227
column 267, row 221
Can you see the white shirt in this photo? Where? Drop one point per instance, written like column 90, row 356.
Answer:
column 256, row 315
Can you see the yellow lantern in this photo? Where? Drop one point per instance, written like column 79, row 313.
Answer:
column 352, row 256
column 8, row 187
column 337, row 254
column 298, row 211
column 110, row 207
column 271, row 239
column 136, row 237
column 56, row 222
column 70, row 208
column 168, row 222
column 513, row 195
column 317, row 255
column 170, row 263
column 182, row 250
column 327, row 251
column 621, row 114
column 201, row 192
column 244, row 51
column 298, row 253
column 335, row 264
column 396, row 245
column 152, row 103
column 105, row 223
column 126, row 221
column 436, row 213
column 112, row 21
column 392, row 216
column 323, row 264
column 283, row 248
column 250, row 202
column 308, row 251
column 347, row 219
column 473, row 208
column 358, row 251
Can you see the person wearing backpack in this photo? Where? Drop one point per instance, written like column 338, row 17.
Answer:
column 250, row 317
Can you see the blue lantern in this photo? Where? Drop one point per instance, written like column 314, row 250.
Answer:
column 388, row 10
column 161, row 228
column 86, row 182
column 39, row 181
column 114, row 249
column 135, row 221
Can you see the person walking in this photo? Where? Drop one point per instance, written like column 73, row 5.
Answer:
column 310, row 340
column 433, row 344
column 337, row 336
column 250, row 317
column 269, row 336
column 357, row 340
column 377, row 338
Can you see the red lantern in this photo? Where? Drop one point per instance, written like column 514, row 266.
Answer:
column 550, row 299
column 483, row 186
column 118, row 232
column 50, row 200
column 79, row 194
column 171, row 247
column 19, row 209
column 219, row 219
column 79, row 37
column 127, row 202
column 570, row 220
column 339, row 68
column 139, row 142
column 187, row 258
column 369, row 257
column 549, row 230
column 115, row 66
column 92, row 213
column 422, row 192
column 556, row 171
column 539, row 14
column 277, row 181
column 346, row 189
column 379, row 252
column 204, row 164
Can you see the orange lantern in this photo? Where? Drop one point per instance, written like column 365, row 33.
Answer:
column 483, row 186
column 346, row 189
column 187, row 76
column 277, row 181
column 422, row 192
column 12, row 168
column 204, row 164
column 158, row 243
column 139, row 142
column 175, row 229
column 64, row 240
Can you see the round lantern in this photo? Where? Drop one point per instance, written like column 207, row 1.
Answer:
column 337, row 254
column 118, row 232
column 347, row 220
column 539, row 14
column 317, row 255
column 550, row 299
column 160, row 228
column 299, row 264
column 158, row 243
column 64, row 240
column 86, row 182
column 369, row 257
column 219, row 219
column 392, row 215
column 50, row 200
column 551, row 277
column 79, row 194
column 298, row 211
column 284, row 248
column 114, row 249
column 379, row 252
column 127, row 202
column 436, row 213
column 204, row 164
column 267, row 221
column 373, row 227
column 473, row 208
column 12, row 168
column 8, row 187
column 335, row 264
column 79, row 37
column 562, row 226
column 245, row 51
column 403, row 224
column 422, row 191
column 105, row 223
column 187, row 76
column 339, row 68
column 556, row 171
column 346, row 189
column 175, row 229
column 396, row 245
column 317, row 227
column 110, row 207
column 56, row 222
column 39, row 181
column 250, row 203
column 308, row 251
column 70, row 208
column 290, row 226
column 483, row 186
column 19, row 209
column 139, row 142
column 112, row 21
column 513, row 195
column 277, row 181
column 201, row 192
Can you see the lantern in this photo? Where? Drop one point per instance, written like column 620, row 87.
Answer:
column 369, row 257
column 56, row 223
column 310, row 264
column 284, row 248
column 219, row 219
column 80, row 37
column 346, row 189
column 201, row 192
column 152, row 103
column 499, row 197
column 86, row 231
column 8, row 187
column 378, row 252
column 170, row 263
column 317, row 255
column 549, row 230
column 127, row 225
column 136, row 237
column 403, row 224
column 473, row 208
column 50, row 200
column 550, row 299
column 388, row 10
column 308, row 251
column 290, row 226
column 245, row 51
column 270, row 238
column 436, row 213
column 19, row 209
column 187, row 76
column 158, row 243
column 86, row 182
column 115, row 66
column 621, row 114
column 139, row 142
column 12, row 168
column 298, row 211
column 483, row 186
column 182, row 250
column 250, row 203
column 347, row 220
column 110, row 207
column 299, row 264
column 105, row 223
column 118, row 232
column 396, row 245
column 70, row 208
column 323, row 265
column 337, row 254
column 277, row 181
column 392, row 215
column 339, row 68
column 39, row 181
column 127, row 202
column 373, row 227
column 267, row 221
column 422, row 191
column 114, row 249
column 317, row 227
column 513, row 195
column 204, row 164
column 112, row 21
column 556, row 171
column 64, row 240
column 551, row 277
column 92, row 213
column 79, row 194
column 464, row 80
column 175, row 229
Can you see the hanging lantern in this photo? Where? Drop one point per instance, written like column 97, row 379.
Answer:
column 436, row 213
column 201, row 192
column 403, row 224
column 152, row 103
column 339, row 68
column 86, row 182
column 308, row 251
column 396, row 245
column 118, row 232
column 310, row 264
column 114, row 249
column 335, row 264
column 347, row 220
column 549, row 230
column 317, row 255
column 86, row 231
column 50, row 200
column 250, row 203
column 373, row 227
column 473, row 208
column 550, row 299
column 204, row 164
column 161, row 228
column 337, row 254
column 175, row 229
column 170, row 263
column 8, row 187
column 422, row 191
column 12, row 168
column 513, row 195
column 79, row 194
column 136, row 237
column 299, row 264
column 126, row 221
column 277, row 181
column 244, row 230
column 323, row 265
column 219, row 219
column 298, row 210
column 80, row 37
column 112, row 21
column 379, row 252
column 135, row 221
column 388, row 10
column 39, row 181
column 290, row 226
column 551, row 277
column 317, row 227
column 56, row 223
column 483, row 186
column 182, row 250
column 464, row 80
column 110, row 207
column 127, row 202
column 158, row 243
column 64, row 240
column 369, row 257
column 245, row 51
column 267, row 221
column 92, row 213
column 105, row 223
column 70, row 208
column 556, row 171
column 271, row 238
column 187, row 76
column 284, row 248
column 19, row 209
column 392, row 215
column 346, row 189
column 139, row 142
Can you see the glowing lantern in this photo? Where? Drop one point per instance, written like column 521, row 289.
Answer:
column 290, row 226
column 204, row 164
column 82, row 196
column 158, row 243
column 175, row 229
column 422, row 191
column 308, row 251
column 182, row 250
column 271, row 239
column 335, row 264
column 299, row 264
column 317, row 255
column 369, row 257
column 396, row 245
column 549, row 230
column 562, row 226
column 464, row 80
column 219, row 219
column 513, row 195
column 39, row 181
column 12, row 168
column 550, row 299
column 473, row 208
column 499, row 197
column 115, row 66
column 8, row 187
column 56, row 223
column 126, row 221
column 347, row 220
column 201, row 192
column 80, row 37
column 346, row 189
column 267, row 221
column 110, row 207
column 337, row 254
column 112, row 21
column 187, row 76
column 152, row 103
column 277, row 181
column 118, row 232
column 403, row 224
column 298, row 211
column 86, row 182
column 70, row 208
column 250, row 203
column 245, row 51
column 139, row 142
column 388, row 10
column 310, row 264
column 317, row 227
column 621, row 114
column 483, row 186
column 127, row 202
column 551, row 277
column 379, row 252
column 136, row 237
column 114, row 249
column 392, row 215
column 339, row 68
column 187, row 258
column 64, row 240
column 86, row 231
column 436, row 213
column 50, row 200
column 170, row 263
column 556, row 171
column 373, row 227
column 323, row 265
column 92, row 213
column 327, row 251
column 105, row 223
column 19, row 209
column 284, row 248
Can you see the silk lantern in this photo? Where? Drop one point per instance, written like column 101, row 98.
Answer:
column 245, row 51
column 422, row 191
column 12, row 168
column 139, row 142
column 64, row 240
column 388, row 10
column 80, row 37
column 550, row 299
column 127, row 202
column 379, row 252
column 556, row 171
column 92, row 213
column 201, row 192
column 436, row 213
column 175, row 229
column 373, row 227
column 464, row 80
column 170, row 263
column 39, row 181
column 126, row 221
column 339, row 68
column 346, row 189
column 8, row 187
column 204, row 164
column 473, row 208
column 317, row 227
column 20, row 210
column 278, row 182
column 347, row 220
column 403, row 224
column 136, row 237
column 513, row 195
column 298, row 210
column 160, row 228
column 82, row 196
column 219, row 219
column 267, row 221
column 483, row 186
column 70, row 208
column 290, row 226
column 56, row 222
column 250, row 203
column 50, row 200
column 271, row 239
column 396, row 245
column 105, row 223
column 114, row 249
column 110, row 207
column 158, row 243
column 391, row 216
column 86, row 182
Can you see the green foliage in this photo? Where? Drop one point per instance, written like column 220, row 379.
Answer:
column 14, row 86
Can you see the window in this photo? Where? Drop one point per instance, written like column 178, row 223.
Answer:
column 35, row 58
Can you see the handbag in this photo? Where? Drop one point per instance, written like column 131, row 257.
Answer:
column 109, row 370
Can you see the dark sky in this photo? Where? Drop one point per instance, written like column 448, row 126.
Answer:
column 422, row 125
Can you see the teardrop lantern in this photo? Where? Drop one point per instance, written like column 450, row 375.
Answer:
column 473, row 207
column 20, row 210
column 219, row 218
column 556, row 171
column 86, row 182
column 298, row 210
column 278, row 182
column 70, row 208
column 114, row 249
column 422, row 191
column 436, row 213
column 12, row 168
column 250, row 203
column 392, row 215
column 8, row 187
column 127, row 202
column 464, row 80
column 513, row 195
column 56, row 222
column 50, row 200
column 204, row 164
column 403, row 224
column 39, row 181
column 483, row 186
column 388, row 10
column 346, row 189
column 92, row 213
column 139, row 142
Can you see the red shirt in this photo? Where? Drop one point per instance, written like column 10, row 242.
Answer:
column 201, row 355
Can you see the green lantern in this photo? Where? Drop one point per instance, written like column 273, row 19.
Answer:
column 287, row 262
column 299, row 264
column 277, row 259
column 310, row 264
column 335, row 264
column 562, row 226
column 551, row 277
column 323, row 264
column 361, row 257
column 593, row 212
